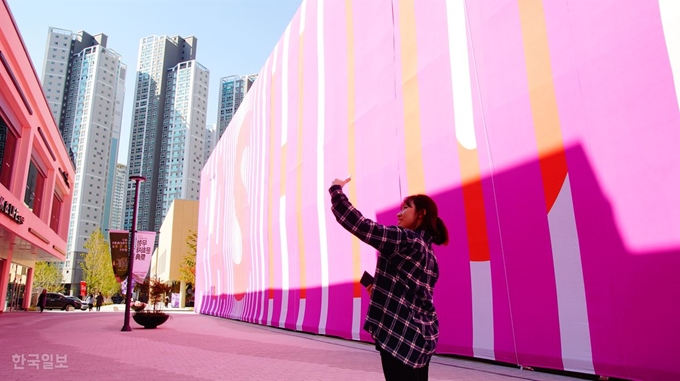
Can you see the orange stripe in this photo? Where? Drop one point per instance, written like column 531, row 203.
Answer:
column 473, row 201
column 415, row 175
column 552, row 158
column 351, row 140
column 271, row 190
column 300, row 227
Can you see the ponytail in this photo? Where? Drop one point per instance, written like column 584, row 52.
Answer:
column 441, row 235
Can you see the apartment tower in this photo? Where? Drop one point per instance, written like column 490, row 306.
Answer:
column 168, row 127
column 84, row 83
column 233, row 89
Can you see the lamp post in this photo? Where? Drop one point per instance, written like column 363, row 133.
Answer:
column 131, row 254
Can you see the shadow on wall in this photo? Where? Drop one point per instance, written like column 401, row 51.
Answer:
column 556, row 298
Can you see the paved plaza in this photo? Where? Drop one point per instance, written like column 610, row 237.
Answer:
column 58, row 345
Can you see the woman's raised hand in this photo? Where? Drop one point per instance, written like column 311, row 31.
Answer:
column 341, row 182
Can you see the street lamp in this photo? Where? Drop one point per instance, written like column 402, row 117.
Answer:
column 131, row 255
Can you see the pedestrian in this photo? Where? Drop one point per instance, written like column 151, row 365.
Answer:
column 42, row 300
column 100, row 301
column 401, row 315
column 90, row 302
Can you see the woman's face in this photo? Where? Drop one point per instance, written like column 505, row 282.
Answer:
column 408, row 217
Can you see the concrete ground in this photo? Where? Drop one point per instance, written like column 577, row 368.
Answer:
column 90, row 346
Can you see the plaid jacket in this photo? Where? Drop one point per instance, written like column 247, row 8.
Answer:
column 401, row 316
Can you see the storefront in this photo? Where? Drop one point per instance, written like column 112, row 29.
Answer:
column 35, row 173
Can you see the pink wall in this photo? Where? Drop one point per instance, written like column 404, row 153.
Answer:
column 546, row 131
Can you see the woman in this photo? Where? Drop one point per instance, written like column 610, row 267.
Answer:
column 401, row 315
column 42, row 300
column 100, row 301
column 90, row 302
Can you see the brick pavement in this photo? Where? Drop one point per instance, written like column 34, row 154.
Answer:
column 197, row 347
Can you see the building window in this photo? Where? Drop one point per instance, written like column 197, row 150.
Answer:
column 8, row 143
column 56, row 212
column 34, row 189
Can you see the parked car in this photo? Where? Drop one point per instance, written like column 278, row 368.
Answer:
column 60, row 301
column 84, row 304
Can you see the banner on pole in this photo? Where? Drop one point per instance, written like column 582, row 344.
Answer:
column 143, row 251
column 118, row 239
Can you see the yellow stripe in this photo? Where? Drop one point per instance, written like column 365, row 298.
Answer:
column 351, row 141
column 271, row 190
column 300, row 227
column 415, row 176
column 542, row 97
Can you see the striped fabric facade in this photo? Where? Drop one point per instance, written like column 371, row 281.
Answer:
column 547, row 132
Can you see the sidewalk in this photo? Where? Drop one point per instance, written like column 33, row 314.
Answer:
column 197, row 347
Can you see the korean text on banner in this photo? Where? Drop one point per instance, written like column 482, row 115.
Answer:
column 118, row 239
column 143, row 251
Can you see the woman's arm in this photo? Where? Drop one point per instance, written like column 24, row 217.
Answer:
column 386, row 239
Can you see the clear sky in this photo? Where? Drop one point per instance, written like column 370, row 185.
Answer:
column 234, row 36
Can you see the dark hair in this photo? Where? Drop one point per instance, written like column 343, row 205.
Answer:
column 431, row 221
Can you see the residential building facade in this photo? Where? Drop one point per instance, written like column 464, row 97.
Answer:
column 118, row 200
column 166, row 140
column 84, row 83
column 233, row 89
column 210, row 141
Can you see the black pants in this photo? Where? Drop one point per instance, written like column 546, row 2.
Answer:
column 395, row 370
column 41, row 308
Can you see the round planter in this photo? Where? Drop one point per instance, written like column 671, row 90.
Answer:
column 150, row 320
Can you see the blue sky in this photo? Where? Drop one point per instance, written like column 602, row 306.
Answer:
column 234, row 36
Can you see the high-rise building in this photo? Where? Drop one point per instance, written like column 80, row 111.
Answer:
column 210, row 141
column 168, row 126
column 118, row 200
column 233, row 89
column 84, row 83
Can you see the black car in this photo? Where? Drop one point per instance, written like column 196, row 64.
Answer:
column 56, row 300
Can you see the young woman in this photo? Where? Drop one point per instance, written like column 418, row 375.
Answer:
column 401, row 315
column 42, row 300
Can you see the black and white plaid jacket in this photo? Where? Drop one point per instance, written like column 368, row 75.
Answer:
column 401, row 316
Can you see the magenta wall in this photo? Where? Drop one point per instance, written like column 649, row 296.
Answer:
column 548, row 133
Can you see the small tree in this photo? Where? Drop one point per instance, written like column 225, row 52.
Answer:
column 96, row 265
column 47, row 275
column 187, row 268
column 156, row 289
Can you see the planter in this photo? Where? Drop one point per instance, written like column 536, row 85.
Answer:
column 150, row 320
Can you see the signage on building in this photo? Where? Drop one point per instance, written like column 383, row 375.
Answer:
column 83, row 288
column 11, row 211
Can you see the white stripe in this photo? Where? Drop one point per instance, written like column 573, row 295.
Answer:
column 284, row 88
column 320, row 162
column 301, row 314
column 571, row 295
column 262, row 90
column 482, row 310
column 218, row 293
column 670, row 20
column 356, row 318
column 270, row 311
column 303, row 9
column 284, row 262
column 460, row 74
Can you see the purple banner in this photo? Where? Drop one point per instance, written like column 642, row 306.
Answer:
column 118, row 240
